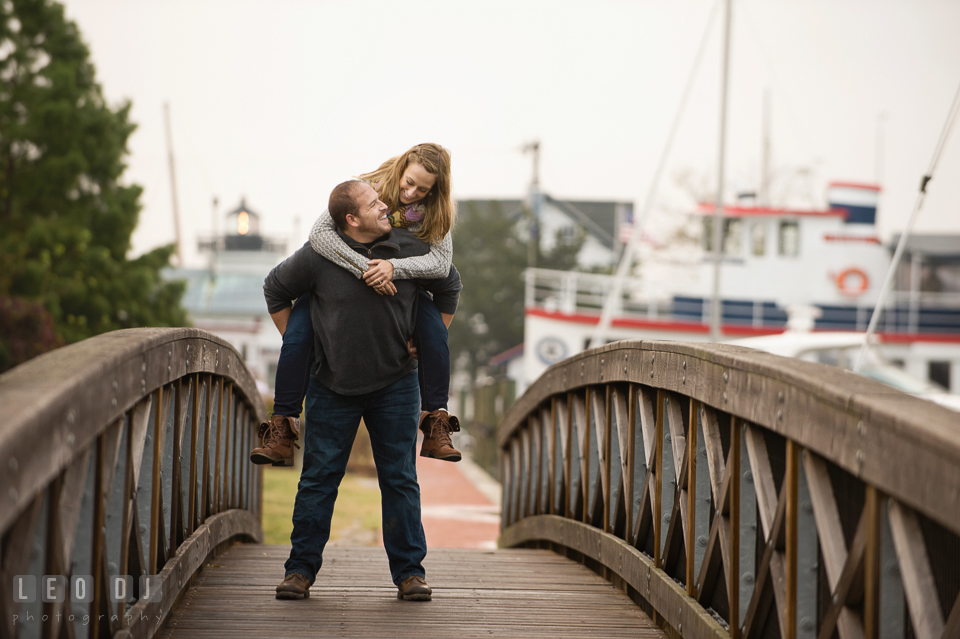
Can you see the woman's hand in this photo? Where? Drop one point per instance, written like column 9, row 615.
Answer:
column 378, row 272
column 385, row 288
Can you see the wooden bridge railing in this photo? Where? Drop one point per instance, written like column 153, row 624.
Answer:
column 734, row 493
column 124, row 454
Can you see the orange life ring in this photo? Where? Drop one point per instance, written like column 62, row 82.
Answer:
column 855, row 288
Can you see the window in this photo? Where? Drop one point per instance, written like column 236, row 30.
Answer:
column 789, row 239
column 758, row 239
column 733, row 237
column 939, row 373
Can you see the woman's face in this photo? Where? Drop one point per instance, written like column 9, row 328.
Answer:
column 415, row 183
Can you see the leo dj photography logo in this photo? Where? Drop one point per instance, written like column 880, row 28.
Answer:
column 80, row 590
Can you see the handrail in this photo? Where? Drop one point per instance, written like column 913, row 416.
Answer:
column 823, row 500
column 177, row 401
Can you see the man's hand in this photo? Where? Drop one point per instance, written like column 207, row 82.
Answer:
column 411, row 348
column 280, row 318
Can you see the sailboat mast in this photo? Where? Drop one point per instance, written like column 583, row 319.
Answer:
column 173, row 186
column 715, row 310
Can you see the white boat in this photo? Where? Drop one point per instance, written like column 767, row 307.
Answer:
column 830, row 259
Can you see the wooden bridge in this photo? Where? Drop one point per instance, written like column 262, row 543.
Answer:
column 649, row 489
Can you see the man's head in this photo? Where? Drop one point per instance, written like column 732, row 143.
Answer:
column 356, row 209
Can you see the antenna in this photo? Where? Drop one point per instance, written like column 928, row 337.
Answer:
column 173, row 186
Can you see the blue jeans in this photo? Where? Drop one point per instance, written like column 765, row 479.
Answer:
column 433, row 354
column 296, row 355
column 390, row 415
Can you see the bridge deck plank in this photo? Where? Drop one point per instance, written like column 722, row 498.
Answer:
column 477, row 593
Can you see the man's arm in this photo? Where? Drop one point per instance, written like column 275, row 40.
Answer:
column 287, row 281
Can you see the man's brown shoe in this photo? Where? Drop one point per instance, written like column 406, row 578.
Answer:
column 414, row 588
column 436, row 427
column 277, row 440
column 294, row 586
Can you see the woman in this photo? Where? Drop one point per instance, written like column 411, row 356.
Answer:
column 416, row 187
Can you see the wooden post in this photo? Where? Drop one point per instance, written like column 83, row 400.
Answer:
column 176, row 488
column 194, row 437
column 733, row 579
column 215, row 498
column 792, row 479
column 155, row 522
column 205, row 503
column 585, row 451
column 871, row 565
column 568, row 460
column 658, row 469
column 631, row 459
column 607, row 447
column 551, row 457
column 128, row 496
column 692, row 497
column 98, row 537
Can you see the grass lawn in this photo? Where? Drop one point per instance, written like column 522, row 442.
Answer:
column 356, row 517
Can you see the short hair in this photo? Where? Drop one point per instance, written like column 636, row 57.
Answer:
column 343, row 202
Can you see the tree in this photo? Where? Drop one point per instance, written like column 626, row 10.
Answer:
column 66, row 217
column 491, row 259
column 491, row 256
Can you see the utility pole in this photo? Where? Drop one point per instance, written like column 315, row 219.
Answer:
column 715, row 303
column 215, row 227
column 536, row 203
column 173, row 186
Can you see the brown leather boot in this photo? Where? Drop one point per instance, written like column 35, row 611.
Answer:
column 414, row 588
column 294, row 586
column 277, row 440
column 436, row 427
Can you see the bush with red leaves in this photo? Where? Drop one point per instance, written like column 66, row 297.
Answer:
column 26, row 330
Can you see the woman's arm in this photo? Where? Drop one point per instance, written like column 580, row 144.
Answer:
column 433, row 265
column 326, row 242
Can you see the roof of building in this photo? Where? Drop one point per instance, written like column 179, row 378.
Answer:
column 507, row 356
column 599, row 218
column 707, row 208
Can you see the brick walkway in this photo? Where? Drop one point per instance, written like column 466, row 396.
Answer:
column 460, row 507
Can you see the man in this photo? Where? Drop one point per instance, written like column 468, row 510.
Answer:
column 362, row 369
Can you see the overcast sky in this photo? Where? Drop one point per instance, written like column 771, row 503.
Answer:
column 280, row 101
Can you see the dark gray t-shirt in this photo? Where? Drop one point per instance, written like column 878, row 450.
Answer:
column 360, row 336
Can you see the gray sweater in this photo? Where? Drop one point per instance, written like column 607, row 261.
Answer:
column 360, row 337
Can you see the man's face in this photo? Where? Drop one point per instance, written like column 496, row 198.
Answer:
column 372, row 215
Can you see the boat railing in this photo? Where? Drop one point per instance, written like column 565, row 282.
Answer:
column 577, row 293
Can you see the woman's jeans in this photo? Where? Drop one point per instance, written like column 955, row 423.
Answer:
column 296, row 356
column 390, row 415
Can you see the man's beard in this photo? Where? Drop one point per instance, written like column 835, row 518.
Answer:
column 373, row 228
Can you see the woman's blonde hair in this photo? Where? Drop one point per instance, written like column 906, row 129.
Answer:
column 440, row 208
